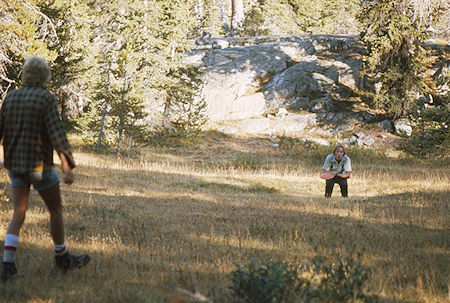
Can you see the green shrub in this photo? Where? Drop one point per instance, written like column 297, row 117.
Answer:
column 340, row 280
column 265, row 281
column 261, row 188
column 165, row 137
column 430, row 137
column 335, row 279
column 247, row 160
column 289, row 144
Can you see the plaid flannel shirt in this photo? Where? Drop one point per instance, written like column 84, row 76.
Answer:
column 31, row 129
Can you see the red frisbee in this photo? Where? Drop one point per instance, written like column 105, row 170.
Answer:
column 327, row 175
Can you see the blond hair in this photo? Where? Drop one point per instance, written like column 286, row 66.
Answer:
column 338, row 146
column 35, row 72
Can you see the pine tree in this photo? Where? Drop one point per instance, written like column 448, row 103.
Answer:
column 185, row 108
column 140, row 44
column 394, row 32
column 70, row 44
column 22, row 30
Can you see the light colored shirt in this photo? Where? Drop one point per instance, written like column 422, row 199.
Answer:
column 331, row 164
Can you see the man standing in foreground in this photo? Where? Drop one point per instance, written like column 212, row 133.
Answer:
column 31, row 129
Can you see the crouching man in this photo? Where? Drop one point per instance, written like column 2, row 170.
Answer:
column 338, row 163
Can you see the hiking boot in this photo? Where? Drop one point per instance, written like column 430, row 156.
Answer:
column 68, row 261
column 9, row 269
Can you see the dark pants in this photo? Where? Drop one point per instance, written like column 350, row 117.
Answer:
column 342, row 183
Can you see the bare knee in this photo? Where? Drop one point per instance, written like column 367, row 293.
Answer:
column 16, row 222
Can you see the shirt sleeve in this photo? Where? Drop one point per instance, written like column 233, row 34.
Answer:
column 347, row 165
column 56, row 132
column 327, row 165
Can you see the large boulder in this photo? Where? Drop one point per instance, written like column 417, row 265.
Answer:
column 234, row 77
column 311, row 78
column 290, row 124
column 272, row 72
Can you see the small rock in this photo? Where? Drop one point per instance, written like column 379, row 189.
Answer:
column 402, row 127
column 282, row 112
column 359, row 135
column 323, row 105
column 386, row 125
column 344, row 127
column 220, row 44
column 355, row 141
column 319, row 141
column 382, row 136
column 227, row 130
column 377, row 87
column 345, row 141
column 368, row 141
column 368, row 117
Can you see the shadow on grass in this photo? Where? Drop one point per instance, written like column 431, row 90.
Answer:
column 190, row 233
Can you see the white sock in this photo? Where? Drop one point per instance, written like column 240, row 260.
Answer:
column 9, row 252
column 60, row 249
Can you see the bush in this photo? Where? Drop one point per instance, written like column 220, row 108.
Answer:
column 247, row 160
column 336, row 279
column 165, row 137
column 260, row 188
column 270, row 281
column 430, row 137
column 340, row 279
column 289, row 144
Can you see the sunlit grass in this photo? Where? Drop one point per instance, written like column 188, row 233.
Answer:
column 168, row 219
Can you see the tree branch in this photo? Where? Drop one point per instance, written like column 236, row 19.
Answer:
column 46, row 18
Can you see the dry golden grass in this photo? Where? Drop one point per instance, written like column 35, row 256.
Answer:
column 171, row 219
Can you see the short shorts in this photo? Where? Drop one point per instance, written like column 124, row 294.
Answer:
column 49, row 178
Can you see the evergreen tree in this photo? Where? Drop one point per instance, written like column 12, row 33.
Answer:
column 325, row 16
column 23, row 29
column 70, row 44
column 185, row 109
column 394, row 32
column 139, row 43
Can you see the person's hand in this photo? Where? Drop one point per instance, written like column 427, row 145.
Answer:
column 68, row 176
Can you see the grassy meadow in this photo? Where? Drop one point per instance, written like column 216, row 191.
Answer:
column 173, row 220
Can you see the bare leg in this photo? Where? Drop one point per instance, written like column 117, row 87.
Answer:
column 20, row 200
column 52, row 198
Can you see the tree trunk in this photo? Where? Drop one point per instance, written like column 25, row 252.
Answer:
column 198, row 9
column 224, row 17
column 104, row 112
column 100, row 131
column 237, row 16
column 119, row 140
column 130, row 144
column 121, row 117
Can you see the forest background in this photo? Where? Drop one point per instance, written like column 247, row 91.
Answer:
column 117, row 67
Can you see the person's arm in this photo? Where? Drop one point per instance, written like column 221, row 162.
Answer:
column 57, row 134
column 327, row 171
column 327, row 165
column 66, row 168
column 347, row 168
column 345, row 175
